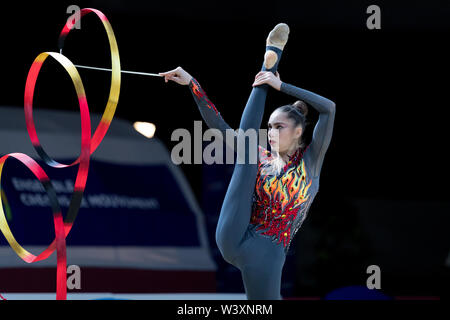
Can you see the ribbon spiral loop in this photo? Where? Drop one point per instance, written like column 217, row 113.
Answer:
column 88, row 145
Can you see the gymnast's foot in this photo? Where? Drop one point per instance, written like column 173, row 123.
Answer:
column 278, row 37
column 275, row 42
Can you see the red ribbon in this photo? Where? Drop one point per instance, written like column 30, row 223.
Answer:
column 88, row 146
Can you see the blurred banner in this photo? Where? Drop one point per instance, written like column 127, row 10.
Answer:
column 139, row 228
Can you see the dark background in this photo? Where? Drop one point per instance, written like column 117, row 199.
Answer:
column 390, row 87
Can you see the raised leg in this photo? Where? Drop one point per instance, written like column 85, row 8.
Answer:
column 236, row 209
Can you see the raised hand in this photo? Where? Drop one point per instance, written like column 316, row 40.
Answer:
column 269, row 78
column 177, row 75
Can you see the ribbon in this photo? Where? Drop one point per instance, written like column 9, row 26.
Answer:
column 88, row 145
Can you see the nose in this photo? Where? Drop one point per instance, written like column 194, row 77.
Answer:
column 272, row 133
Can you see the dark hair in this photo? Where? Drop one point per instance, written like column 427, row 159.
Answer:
column 296, row 111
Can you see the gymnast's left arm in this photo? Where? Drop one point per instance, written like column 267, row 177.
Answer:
column 324, row 126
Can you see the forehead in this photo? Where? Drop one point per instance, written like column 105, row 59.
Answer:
column 278, row 116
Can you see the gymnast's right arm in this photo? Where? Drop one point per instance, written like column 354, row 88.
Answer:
column 207, row 109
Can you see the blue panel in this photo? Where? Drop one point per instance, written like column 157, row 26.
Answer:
column 122, row 205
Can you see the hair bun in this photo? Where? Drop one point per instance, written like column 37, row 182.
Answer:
column 301, row 106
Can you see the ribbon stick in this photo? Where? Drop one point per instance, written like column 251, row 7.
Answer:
column 123, row 71
column 88, row 145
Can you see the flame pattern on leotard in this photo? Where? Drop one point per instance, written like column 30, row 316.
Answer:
column 280, row 202
column 200, row 93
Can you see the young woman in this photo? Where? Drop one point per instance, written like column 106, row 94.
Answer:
column 267, row 201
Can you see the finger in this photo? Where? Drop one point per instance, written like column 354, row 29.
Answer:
column 166, row 76
column 258, row 74
column 169, row 77
column 258, row 82
column 171, row 71
column 261, row 76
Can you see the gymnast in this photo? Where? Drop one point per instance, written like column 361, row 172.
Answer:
column 267, row 201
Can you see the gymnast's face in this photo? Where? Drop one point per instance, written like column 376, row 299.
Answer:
column 282, row 133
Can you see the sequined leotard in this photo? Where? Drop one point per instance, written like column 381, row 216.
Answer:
column 262, row 212
column 280, row 203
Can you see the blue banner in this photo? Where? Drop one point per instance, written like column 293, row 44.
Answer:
column 123, row 205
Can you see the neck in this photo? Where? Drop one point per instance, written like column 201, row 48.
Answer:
column 286, row 154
